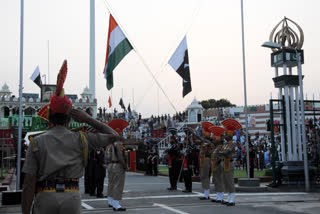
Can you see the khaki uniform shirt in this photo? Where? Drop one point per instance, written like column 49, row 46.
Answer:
column 60, row 153
column 118, row 147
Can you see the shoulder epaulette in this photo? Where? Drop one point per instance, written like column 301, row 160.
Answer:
column 33, row 145
column 85, row 148
column 31, row 139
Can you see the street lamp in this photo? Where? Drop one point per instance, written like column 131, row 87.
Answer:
column 271, row 45
column 283, row 56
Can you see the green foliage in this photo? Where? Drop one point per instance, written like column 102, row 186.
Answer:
column 268, row 172
column 164, row 170
column 5, row 172
column 243, row 173
column 237, row 173
column 212, row 103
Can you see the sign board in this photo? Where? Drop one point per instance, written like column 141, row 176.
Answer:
column 286, row 56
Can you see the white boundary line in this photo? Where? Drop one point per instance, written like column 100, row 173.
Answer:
column 169, row 208
column 197, row 195
column 88, row 207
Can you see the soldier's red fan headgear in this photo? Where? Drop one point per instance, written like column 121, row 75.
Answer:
column 118, row 125
column 217, row 130
column 205, row 125
column 59, row 102
column 231, row 125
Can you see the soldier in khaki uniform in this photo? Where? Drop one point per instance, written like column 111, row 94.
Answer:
column 117, row 167
column 56, row 159
column 216, row 164
column 116, row 176
column 205, row 165
column 227, row 152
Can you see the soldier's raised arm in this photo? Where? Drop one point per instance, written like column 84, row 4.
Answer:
column 82, row 117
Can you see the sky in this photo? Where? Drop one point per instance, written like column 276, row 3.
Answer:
column 155, row 29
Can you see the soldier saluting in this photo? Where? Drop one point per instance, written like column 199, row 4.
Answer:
column 56, row 159
column 117, row 168
column 227, row 153
column 205, row 165
column 216, row 163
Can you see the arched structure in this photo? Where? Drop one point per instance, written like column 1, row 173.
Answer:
column 195, row 112
column 5, row 92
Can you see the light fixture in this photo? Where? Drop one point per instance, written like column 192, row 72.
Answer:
column 271, row 45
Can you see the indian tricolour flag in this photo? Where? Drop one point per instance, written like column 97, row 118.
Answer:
column 117, row 48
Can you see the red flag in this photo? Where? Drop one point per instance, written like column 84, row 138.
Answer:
column 109, row 101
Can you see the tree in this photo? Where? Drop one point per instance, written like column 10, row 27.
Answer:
column 212, row 103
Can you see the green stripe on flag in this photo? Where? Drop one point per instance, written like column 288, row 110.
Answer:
column 114, row 59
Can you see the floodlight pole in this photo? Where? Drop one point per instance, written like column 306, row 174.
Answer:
column 20, row 97
column 245, row 90
column 303, row 131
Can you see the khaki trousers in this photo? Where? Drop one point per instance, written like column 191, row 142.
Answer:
column 57, row 203
column 228, row 179
column 116, row 181
column 218, row 178
column 204, row 174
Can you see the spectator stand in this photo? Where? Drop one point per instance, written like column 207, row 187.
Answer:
column 7, row 149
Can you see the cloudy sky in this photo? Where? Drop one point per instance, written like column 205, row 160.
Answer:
column 155, row 28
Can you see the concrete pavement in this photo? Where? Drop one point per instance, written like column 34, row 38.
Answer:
column 148, row 194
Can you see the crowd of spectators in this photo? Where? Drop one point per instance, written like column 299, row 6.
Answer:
column 259, row 145
column 141, row 128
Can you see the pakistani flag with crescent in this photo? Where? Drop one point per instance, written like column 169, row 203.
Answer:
column 118, row 47
column 179, row 61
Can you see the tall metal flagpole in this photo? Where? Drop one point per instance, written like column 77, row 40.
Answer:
column 245, row 89
column 20, row 97
column 48, row 65
column 92, row 57
column 303, row 131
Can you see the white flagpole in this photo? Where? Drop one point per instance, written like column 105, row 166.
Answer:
column 48, row 64
column 245, row 90
column 20, row 97
column 92, row 55
column 44, row 77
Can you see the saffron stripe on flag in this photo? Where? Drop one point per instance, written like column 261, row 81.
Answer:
column 112, row 25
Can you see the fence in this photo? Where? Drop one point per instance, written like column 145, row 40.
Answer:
column 7, row 149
